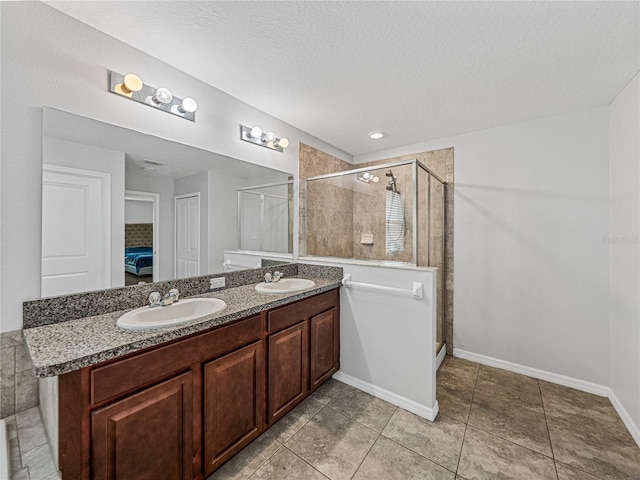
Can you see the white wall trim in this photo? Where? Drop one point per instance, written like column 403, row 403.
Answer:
column 626, row 418
column 397, row 400
column 440, row 356
column 582, row 385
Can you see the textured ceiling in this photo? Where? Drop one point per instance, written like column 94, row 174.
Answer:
column 415, row 70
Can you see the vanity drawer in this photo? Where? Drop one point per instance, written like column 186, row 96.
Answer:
column 123, row 376
column 289, row 315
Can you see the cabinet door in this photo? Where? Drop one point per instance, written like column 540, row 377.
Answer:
column 288, row 369
column 324, row 347
column 147, row 435
column 233, row 403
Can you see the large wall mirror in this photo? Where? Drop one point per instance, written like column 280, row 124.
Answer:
column 120, row 207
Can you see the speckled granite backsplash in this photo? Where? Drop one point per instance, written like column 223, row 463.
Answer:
column 47, row 311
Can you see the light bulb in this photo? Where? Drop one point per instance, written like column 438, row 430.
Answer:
column 270, row 137
column 189, row 105
column 162, row 96
column 376, row 179
column 130, row 83
column 256, row 132
column 376, row 135
column 283, row 142
column 366, row 175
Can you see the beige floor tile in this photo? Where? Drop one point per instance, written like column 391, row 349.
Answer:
column 458, row 373
column 517, row 389
column 293, row 421
column 328, row 390
column 284, row 465
column 564, row 402
column 487, row 457
column 587, row 433
column 565, row 472
column 454, row 403
column 363, row 408
column 510, row 420
column 439, row 441
column 333, row 444
column 389, row 461
column 582, row 442
column 248, row 460
column 456, row 380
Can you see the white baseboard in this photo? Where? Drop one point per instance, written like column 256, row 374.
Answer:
column 582, row 385
column 397, row 400
column 440, row 357
column 588, row 387
column 626, row 418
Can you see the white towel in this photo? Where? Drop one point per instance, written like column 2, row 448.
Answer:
column 395, row 222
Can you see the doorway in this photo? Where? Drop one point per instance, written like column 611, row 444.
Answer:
column 187, row 227
column 141, row 232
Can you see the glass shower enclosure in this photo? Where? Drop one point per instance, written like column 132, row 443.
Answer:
column 265, row 217
column 389, row 213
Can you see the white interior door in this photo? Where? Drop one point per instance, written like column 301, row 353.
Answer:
column 76, row 230
column 187, row 236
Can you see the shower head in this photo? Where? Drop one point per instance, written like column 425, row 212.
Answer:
column 391, row 186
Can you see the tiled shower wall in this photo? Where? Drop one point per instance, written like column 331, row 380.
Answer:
column 332, row 219
column 18, row 385
column 341, row 213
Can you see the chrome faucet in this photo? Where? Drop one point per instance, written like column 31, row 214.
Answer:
column 157, row 300
column 268, row 278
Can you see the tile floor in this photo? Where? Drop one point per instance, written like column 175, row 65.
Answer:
column 29, row 452
column 492, row 425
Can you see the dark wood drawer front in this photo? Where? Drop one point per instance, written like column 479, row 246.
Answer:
column 289, row 315
column 122, row 376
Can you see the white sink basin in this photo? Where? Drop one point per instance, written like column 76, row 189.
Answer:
column 186, row 310
column 286, row 285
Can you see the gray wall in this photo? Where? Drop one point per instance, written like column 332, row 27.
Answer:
column 531, row 269
column 624, row 250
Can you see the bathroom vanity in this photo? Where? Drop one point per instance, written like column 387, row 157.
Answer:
column 181, row 408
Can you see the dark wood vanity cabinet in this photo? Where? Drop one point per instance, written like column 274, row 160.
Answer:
column 181, row 409
column 233, row 403
column 303, row 350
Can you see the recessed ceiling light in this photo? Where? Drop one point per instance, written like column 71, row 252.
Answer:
column 376, row 135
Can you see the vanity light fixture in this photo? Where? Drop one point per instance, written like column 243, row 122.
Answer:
column 131, row 86
column 376, row 135
column 269, row 140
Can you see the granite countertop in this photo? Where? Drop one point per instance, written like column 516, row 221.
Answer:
column 64, row 347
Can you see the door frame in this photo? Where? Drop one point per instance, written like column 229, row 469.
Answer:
column 139, row 196
column 175, row 229
column 105, row 181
